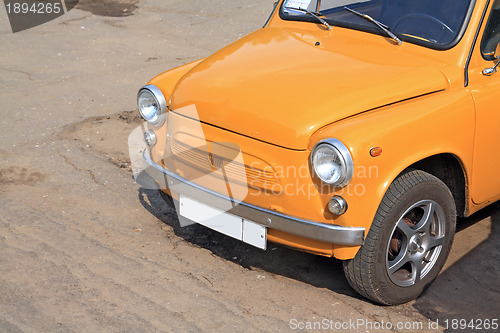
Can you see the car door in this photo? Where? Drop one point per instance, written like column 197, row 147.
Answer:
column 485, row 89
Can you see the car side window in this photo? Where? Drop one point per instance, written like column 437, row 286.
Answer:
column 491, row 36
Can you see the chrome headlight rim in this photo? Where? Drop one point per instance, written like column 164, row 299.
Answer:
column 160, row 100
column 347, row 164
column 150, row 138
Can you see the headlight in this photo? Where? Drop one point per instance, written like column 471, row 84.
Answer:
column 152, row 105
column 332, row 162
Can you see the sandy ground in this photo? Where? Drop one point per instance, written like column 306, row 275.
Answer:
column 84, row 248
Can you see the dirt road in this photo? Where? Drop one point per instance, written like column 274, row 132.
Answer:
column 84, row 248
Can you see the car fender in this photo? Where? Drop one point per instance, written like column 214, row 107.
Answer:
column 407, row 132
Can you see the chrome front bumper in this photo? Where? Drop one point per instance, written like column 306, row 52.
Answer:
column 329, row 233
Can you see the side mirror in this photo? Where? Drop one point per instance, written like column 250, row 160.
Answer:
column 496, row 56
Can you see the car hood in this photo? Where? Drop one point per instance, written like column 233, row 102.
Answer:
column 280, row 86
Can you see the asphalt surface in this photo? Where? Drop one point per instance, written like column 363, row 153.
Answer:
column 85, row 248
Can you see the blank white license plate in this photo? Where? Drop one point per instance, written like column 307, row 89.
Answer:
column 225, row 223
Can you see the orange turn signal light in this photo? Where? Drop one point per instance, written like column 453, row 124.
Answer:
column 375, row 152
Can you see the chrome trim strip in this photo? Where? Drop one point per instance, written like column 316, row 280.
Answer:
column 334, row 234
column 471, row 51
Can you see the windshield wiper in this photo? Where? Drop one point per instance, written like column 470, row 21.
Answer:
column 381, row 26
column 313, row 14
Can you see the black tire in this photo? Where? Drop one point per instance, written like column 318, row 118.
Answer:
column 413, row 228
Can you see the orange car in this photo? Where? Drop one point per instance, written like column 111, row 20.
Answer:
column 357, row 130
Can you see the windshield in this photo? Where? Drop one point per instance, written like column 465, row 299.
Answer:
column 433, row 23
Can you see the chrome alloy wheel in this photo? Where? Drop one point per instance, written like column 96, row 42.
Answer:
column 416, row 243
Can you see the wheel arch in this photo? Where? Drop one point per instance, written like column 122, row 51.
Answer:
column 450, row 170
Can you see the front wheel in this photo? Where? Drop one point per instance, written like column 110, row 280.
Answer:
column 408, row 242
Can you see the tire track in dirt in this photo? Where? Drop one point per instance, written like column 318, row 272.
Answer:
column 123, row 290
